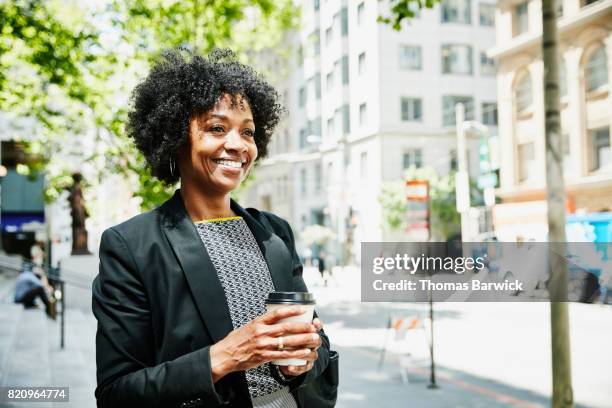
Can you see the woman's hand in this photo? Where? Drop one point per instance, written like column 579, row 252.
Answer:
column 256, row 343
column 310, row 358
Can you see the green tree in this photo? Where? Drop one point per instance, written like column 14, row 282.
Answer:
column 69, row 68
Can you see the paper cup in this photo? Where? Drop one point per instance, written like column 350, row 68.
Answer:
column 277, row 300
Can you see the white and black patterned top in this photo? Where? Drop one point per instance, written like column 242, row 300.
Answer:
column 246, row 281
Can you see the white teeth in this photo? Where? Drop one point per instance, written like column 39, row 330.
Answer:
column 230, row 163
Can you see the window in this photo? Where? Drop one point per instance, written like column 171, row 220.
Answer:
column 412, row 158
column 521, row 19
column 344, row 22
column 587, row 2
column 487, row 14
column 317, row 81
column 448, row 108
column 330, row 173
column 316, row 5
column 328, row 35
column 314, row 127
column 487, row 65
column 360, row 12
column 330, row 127
column 489, row 113
column 410, row 57
column 303, row 141
column 345, row 70
column 346, row 118
column 456, row 11
column 526, row 161
column 453, row 160
column 596, row 70
column 300, row 55
column 303, row 181
column 361, row 63
column 412, row 110
column 363, row 114
column 317, row 177
column 315, row 42
column 523, row 96
column 456, row 59
column 599, row 140
column 329, row 81
column 363, row 165
column 302, row 97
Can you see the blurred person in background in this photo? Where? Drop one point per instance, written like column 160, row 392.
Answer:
column 180, row 294
column 31, row 286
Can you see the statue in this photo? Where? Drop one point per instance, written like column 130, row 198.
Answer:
column 79, row 214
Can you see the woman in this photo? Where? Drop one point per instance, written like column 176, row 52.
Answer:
column 180, row 294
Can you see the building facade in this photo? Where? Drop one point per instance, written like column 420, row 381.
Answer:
column 365, row 103
column 585, row 34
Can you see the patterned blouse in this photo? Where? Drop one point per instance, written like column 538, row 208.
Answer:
column 246, row 281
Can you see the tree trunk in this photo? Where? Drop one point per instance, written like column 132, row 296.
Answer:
column 555, row 196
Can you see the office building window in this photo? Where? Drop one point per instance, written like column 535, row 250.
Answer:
column 329, row 81
column 411, row 109
column 315, row 42
column 361, row 63
column 303, row 141
column 526, row 161
column 330, row 127
column 316, row 5
column 412, row 157
column 303, row 181
column 599, row 140
column 456, row 11
column 363, row 165
column 487, row 65
column 410, row 57
column 456, row 59
column 317, row 83
column 363, row 114
column 521, row 19
column 302, row 97
column 344, row 22
column 489, row 113
column 328, row 35
column 345, row 70
column 448, row 108
column 453, row 160
column 523, row 95
column 596, row 69
column 346, row 118
column 318, row 177
column 360, row 12
column 487, row 14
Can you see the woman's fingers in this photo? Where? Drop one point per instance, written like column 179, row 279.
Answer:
column 294, row 341
column 317, row 323
column 281, row 313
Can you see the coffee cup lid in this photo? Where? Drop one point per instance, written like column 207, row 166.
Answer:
column 291, row 298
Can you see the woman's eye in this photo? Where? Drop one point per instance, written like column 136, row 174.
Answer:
column 249, row 132
column 217, row 128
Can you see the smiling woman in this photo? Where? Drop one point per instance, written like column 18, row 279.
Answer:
column 180, row 296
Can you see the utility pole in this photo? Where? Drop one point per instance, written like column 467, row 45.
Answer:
column 555, row 197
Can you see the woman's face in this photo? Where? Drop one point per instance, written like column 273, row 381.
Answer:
column 222, row 146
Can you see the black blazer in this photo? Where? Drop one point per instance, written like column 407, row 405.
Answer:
column 160, row 307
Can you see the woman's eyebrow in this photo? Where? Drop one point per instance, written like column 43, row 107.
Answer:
column 223, row 117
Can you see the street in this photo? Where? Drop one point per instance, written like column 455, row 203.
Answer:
column 486, row 354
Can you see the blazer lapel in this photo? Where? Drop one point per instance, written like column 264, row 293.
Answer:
column 273, row 248
column 199, row 271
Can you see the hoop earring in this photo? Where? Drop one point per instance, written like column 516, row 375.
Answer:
column 172, row 167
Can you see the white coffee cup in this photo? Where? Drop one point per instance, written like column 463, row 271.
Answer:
column 278, row 300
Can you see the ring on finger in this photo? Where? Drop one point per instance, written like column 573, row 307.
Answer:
column 280, row 343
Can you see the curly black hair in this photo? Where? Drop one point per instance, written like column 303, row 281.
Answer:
column 181, row 85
